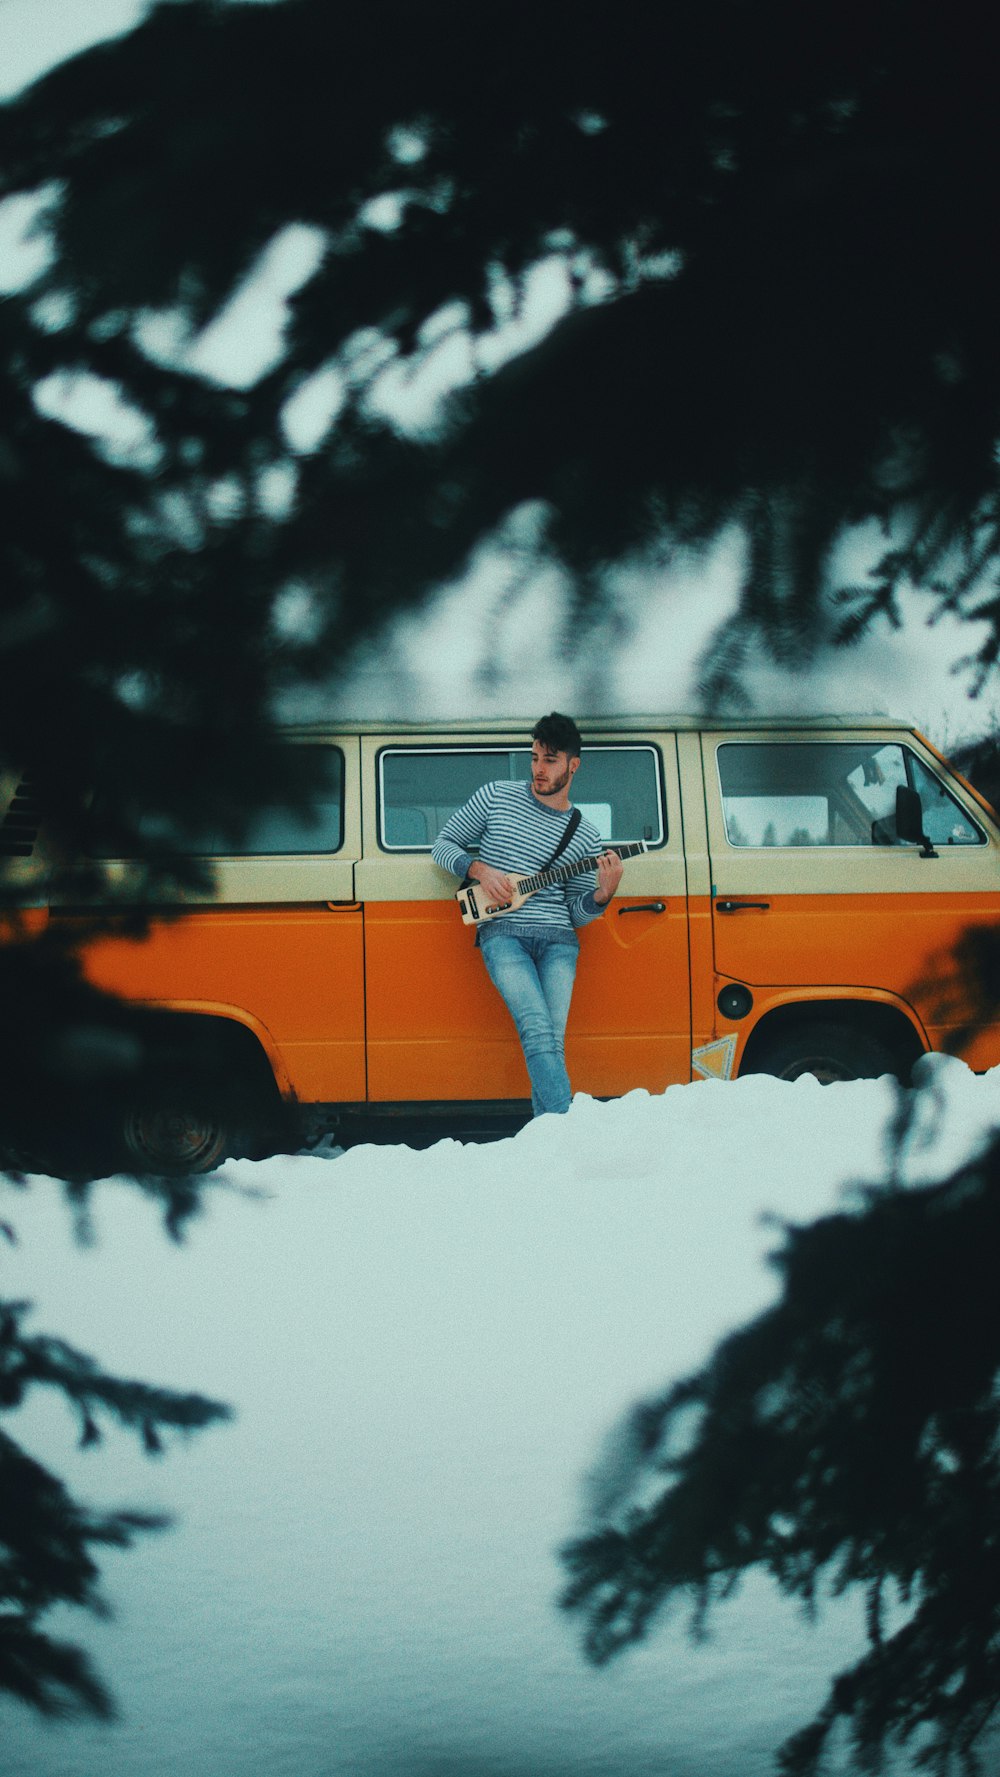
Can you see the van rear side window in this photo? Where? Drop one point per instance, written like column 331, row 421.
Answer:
column 831, row 793
column 272, row 830
column 617, row 787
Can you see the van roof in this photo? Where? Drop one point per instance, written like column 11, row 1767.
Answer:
column 588, row 725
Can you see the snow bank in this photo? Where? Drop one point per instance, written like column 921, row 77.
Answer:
column 426, row 1351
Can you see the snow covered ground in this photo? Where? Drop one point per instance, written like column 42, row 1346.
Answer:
column 427, row 1352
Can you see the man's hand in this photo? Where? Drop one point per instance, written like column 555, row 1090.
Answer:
column 496, row 886
column 609, row 875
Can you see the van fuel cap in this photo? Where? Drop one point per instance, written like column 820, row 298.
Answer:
column 735, row 1001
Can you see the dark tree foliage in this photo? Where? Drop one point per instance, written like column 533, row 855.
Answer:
column 848, row 1437
column 48, row 1540
column 979, row 760
column 777, row 225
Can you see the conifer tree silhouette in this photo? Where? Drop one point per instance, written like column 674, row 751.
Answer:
column 775, row 227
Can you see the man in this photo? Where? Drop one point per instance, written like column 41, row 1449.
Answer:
column 530, row 954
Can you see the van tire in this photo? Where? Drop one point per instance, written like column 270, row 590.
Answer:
column 830, row 1050
column 205, row 1094
column 173, row 1133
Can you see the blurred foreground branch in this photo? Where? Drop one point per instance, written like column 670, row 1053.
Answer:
column 847, row 1438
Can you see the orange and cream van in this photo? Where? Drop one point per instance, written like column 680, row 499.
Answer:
column 815, row 896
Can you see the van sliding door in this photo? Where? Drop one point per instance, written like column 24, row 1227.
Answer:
column 436, row 1027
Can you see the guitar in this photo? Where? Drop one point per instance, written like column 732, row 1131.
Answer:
column 476, row 910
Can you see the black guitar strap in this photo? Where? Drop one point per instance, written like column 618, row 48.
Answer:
column 567, row 834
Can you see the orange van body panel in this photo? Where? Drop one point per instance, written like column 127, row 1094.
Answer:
column 437, row 1029
column 902, row 946
column 630, row 1021
column 776, row 999
column 706, row 1022
column 23, row 924
column 299, row 970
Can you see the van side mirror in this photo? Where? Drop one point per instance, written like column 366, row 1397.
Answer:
column 910, row 820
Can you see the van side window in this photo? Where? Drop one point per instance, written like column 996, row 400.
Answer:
column 617, row 787
column 831, row 793
column 272, row 830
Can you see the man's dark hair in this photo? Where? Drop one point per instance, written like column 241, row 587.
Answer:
column 558, row 732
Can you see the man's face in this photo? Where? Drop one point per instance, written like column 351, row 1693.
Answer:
column 550, row 771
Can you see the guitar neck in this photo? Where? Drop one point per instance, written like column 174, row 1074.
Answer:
column 562, row 872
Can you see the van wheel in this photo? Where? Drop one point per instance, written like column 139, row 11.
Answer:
column 829, row 1050
column 173, row 1134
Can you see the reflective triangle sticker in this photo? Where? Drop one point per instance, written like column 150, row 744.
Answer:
column 714, row 1061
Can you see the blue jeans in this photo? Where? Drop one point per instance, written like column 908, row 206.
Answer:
column 534, row 976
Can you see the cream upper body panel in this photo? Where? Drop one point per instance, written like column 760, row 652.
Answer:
column 400, row 825
column 684, row 816
column 274, row 876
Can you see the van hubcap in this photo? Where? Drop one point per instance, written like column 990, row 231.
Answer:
column 172, row 1139
column 826, row 1069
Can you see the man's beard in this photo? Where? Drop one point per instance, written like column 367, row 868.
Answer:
column 554, row 789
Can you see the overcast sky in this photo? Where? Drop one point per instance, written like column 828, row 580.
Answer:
column 36, row 33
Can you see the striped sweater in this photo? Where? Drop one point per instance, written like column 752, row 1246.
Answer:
column 513, row 830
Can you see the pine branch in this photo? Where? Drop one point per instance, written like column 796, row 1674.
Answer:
column 848, row 1437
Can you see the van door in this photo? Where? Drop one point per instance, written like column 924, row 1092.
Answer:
column 436, row 1028
column 814, row 891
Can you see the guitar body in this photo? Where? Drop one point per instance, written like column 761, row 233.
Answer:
column 476, row 910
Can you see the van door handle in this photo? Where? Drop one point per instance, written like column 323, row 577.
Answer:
column 644, row 907
column 742, row 906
